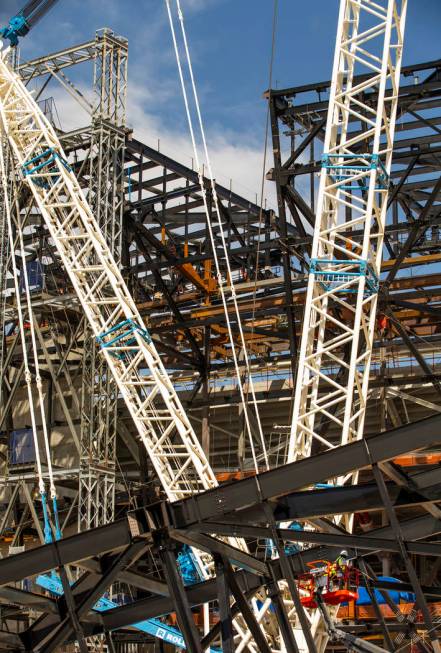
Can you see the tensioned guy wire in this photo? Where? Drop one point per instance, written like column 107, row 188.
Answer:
column 211, row 233
column 27, row 372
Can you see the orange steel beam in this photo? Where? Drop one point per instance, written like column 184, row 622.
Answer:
column 418, row 459
column 362, row 612
column 412, row 261
column 207, row 284
column 412, row 283
column 404, row 461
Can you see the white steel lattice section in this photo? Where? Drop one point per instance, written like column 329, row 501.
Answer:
column 142, row 380
column 341, row 300
column 99, row 395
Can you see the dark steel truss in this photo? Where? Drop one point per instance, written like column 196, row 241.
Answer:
column 118, row 551
column 413, row 226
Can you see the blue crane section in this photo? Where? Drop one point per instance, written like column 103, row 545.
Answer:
column 20, row 24
column 153, row 627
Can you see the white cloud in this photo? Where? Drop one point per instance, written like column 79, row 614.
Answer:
column 235, row 158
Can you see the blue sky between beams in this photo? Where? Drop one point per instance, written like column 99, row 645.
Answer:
column 230, row 42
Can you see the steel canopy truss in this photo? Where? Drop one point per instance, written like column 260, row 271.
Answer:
column 344, row 273
column 125, row 343
column 112, row 552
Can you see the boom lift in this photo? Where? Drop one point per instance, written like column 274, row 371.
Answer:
column 325, row 580
column 349, row 641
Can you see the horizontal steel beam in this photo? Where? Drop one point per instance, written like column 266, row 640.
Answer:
column 57, row 60
column 304, row 473
column 339, row 500
column 358, row 542
column 136, row 147
column 66, row 551
column 319, row 87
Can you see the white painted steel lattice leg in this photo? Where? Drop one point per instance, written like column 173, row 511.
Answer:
column 99, row 393
column 116, row 323
column 341, row 300
column 344, row 271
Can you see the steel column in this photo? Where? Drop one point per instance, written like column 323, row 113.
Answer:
column 225, row 616
column 179, row 598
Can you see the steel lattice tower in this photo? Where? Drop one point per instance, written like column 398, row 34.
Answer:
column 343, row 283
column 99, row 392
column 344, row 274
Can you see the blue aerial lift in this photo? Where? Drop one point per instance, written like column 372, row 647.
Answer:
column 20, row 24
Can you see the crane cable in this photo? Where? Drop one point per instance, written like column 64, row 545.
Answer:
column 4, row 255
column 265, row 152
column 211, row 234
column 28, row 376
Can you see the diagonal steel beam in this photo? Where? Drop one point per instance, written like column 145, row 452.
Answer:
column 245, row 609
column 413, row 577
column 417, row 229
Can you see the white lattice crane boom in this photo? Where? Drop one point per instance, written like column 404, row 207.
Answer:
column 125, row 343
column 341, row 300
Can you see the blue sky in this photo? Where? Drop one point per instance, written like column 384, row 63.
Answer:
column 230, row 42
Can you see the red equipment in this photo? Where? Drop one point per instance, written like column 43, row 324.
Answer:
column 339, row 584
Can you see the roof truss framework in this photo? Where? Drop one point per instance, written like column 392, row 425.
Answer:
column 116, row 551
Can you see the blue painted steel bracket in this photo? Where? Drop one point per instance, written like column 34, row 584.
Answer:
column 17, row 26
column 339, row 172
column 153, row 627
column 289, row 548
column 122, row 335
column 329, row 277
column 45, row 159
column 189, row 567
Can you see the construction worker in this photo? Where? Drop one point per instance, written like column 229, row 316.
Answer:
column 343, row 559
column 337, row 571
